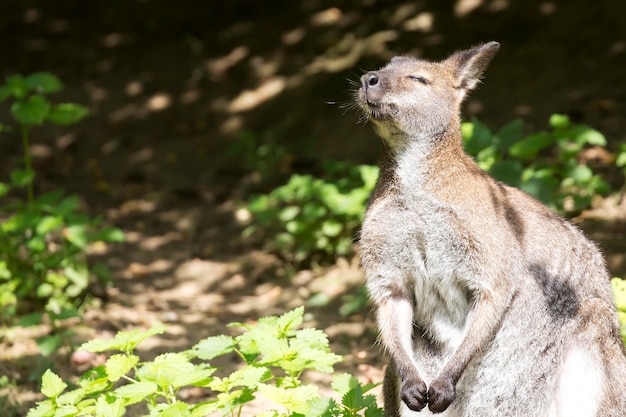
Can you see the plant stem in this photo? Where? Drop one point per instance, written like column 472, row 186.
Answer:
column 126, row 377
column 27, row 163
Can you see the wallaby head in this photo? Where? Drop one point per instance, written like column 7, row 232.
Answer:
column 410, row 98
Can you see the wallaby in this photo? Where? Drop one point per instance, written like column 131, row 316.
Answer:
column 487, row 303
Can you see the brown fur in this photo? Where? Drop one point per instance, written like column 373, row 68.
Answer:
column 484, row 297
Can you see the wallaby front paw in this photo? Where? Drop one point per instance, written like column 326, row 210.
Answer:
column 413, row 393
column 441, row 393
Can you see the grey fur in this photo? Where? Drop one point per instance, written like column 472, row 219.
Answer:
column 488, row 304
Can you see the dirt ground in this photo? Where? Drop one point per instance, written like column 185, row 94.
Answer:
column 174, row 86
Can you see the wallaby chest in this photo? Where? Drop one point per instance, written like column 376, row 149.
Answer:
column 416, row 244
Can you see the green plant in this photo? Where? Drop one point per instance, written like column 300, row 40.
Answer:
column 43, row 239
column 274, row 356
column 619, row 291
column 620, row 161
column 312, row 218
column 544, row 164
column 8, row 404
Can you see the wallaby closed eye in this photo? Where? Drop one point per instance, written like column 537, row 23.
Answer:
column 420, row 79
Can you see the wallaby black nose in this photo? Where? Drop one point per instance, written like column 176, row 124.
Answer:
column 369, row 80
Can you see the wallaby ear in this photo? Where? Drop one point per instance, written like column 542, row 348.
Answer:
column 470, row 64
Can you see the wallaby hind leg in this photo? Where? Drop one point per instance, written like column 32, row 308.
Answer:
column 391, row 391
column 592, row 377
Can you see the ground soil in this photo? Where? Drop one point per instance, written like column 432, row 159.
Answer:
column 174, row 86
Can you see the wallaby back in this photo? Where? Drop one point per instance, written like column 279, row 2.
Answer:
column 488, row 304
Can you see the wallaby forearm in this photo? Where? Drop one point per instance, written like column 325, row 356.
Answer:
column 395, row 321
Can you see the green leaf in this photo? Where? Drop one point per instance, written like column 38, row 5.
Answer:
column 4, row 189
column 258, row 203
column 173, row 370
column 507, row 171
column 45, row 290
column 294, row 227
column 119, row 365
column 316, row 359
column 65, row 206
column 5, row 272
column 66, row 411
column 542, row 186
column 343, row 383
column 467, row 130
column 71, row 397
column 37, row 244
column 95, row 380
column 111, row 234
column 77, row 275
column 477, row 137
column 353, row 399
column 619, row 292
column 177, row 409
column 581, row 173
column 295, row 400
column 44, row 82
column 312, row 338
column 66, row 114
column 66, row 313
column 77, row 235
column 369, row 175
column 204, row 409
column 22, row 177
column 51, row 198
column 16, row 86
column 509, row 134
column 288, row 320
column 48, row 224
column 136, row 392
column 31, row 319
column 559, row 121
column 249, row 342
column 332, row 228
column 211, row 347
column 531, row 145
column 32, row 111
column 250, row 377
column 319, row 299
column 43, row 409
column 104, row 408
column 372, row 410
column 288, row 213
column 592, row 137
column 48, row 345
column 229, row 402
column 201, row 375
column 123, row 341
column 51, row 384
column 326, row 407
